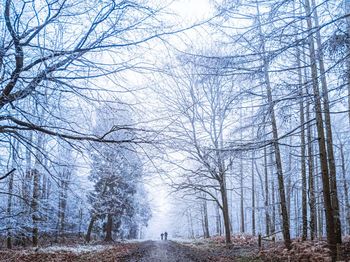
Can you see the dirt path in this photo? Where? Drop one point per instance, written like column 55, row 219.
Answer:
column 163, row 251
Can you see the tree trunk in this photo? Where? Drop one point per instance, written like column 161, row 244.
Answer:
column 242, row 226
column 312, row 198
column 331, row 236
column 280, row 179
column 109, row 228
column 206, row 220
column 14, row 150
column 289, row 189
column 282, row 195
column 225, row 211
column 35, row 204
column 218, row 221
column 26, row 186
column 190, row 224
column 89, row 231
column 9, row 205
column 80, row 220
column 302, row 149
column 62, row 202
column 273, row 203
column 275, row 137
column 320, row 207
column 9, row 212
column 329, row 135
column 267, row 208
column 346, row 189
column 35, row 207
column 253, row 196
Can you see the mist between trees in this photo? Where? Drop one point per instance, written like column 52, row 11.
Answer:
column 245, row 114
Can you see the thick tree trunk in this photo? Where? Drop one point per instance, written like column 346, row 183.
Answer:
column 89, row 230
column 225, row 211
column 330, row 227
column 206, row 220
column 328, row 127
column 109, row 228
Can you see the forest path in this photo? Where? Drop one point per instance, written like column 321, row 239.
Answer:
column 163, row 251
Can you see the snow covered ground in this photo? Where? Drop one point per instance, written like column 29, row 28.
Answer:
column 74, row 249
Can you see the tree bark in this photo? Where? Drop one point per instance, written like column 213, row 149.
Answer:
column 331, row 236
column 242, row 226
column 190, row 222
column 273, row 199
column 312, row 198
column 26, row 186
column 218, row 219
column 62, row 202
column 9, row 212
column 109, row 228
column 206, row 220
column 329, row 135
column 346, row 189
column 89, row 231
column 302, row 149
column 280, row 179
column 275, row 137
column 35, row 207
column 225, row 211
column 320, row 207
column 267, row 208
column 253, row 196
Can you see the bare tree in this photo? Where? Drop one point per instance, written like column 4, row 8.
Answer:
column 203, row 104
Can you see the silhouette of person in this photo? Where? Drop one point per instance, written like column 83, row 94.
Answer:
column 165, row 235
column 161, row 236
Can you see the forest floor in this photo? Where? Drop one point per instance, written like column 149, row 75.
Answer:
column 146, row 251
column 243, row 249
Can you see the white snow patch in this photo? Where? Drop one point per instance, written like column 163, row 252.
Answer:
column 76, row 249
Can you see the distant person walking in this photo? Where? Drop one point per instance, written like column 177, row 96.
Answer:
column 161, row 236
column 166, row 235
